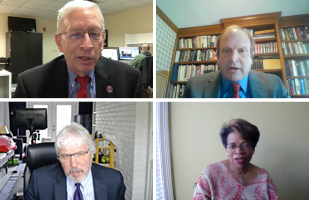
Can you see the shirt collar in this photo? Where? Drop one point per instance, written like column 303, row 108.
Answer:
column 84, row 183
column 72, row 76
column 226, row 83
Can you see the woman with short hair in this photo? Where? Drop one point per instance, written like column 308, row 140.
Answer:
column 236, row 177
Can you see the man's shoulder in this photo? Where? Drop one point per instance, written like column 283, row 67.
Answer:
column 115, row 66
column 264, row 76
column 204, row 77
column 96, row 168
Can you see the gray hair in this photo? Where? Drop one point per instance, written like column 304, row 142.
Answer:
column 74, row 135
column 70, row 6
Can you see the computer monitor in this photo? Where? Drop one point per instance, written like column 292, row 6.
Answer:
column 128, row 53
column 110, row 52
column 30, row 118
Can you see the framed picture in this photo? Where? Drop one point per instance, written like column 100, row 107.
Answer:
column 106, row 39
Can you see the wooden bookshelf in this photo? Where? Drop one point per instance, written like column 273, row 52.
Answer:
column 290, row 22
column 257, row 23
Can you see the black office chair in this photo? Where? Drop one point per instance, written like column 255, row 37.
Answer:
column 146, row 69
column 38, row 155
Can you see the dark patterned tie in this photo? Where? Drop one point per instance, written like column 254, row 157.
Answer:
column 82, row 92
column 78, row 194
column 236, row 88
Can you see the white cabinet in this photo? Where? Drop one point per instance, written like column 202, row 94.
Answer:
column 133, row 40
column 5, row 84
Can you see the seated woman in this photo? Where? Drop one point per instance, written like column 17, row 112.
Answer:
column 236, row 177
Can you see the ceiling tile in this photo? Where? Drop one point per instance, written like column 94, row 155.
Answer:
column 5, row 7
column 51, row 16
column 24, row 11
column 57, row 4
column 31, row 5
column 116, row 2
column 105, row 5
column 6, row 11
column 49, row 8
column 12, row 3
column 41, row 2
column 109, row 12
column 147, row 1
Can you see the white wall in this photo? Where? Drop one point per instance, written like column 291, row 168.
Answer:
column 131, row 124
column 282, row 149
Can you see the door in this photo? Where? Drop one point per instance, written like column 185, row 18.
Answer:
column 59, row 114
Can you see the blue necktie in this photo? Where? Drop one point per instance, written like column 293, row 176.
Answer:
column 78, row 194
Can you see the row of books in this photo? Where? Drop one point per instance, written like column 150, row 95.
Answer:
column 290, row 48
column 195, row 55
column 298, row 86
column 292, row 33
column 297, row 68
column 271, row 47
column 259, row 63
column 262, row 34
column 184, row 72
column 176, row 91
column 202, row 41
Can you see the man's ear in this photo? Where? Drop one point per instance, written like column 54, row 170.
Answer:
column 103, row 37
column 58, row 42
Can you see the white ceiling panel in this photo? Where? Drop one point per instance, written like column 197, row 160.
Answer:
column 48, row 8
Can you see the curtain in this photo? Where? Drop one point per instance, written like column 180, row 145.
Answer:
column 164, row 187
column 5, row 114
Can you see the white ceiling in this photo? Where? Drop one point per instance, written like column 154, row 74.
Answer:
column 48, row 8
column 191, row 13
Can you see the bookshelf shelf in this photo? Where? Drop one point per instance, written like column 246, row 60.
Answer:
column 268, row 70
column 293, row 77
column 266, row 54
column 298, row 40
column 262, row 40
column 183, row 49
column 300, row 96
column 179, row 82
column 288, row 57
column 197, row 62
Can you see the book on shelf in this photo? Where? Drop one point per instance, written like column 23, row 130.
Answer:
column 264, row 34
column 195, row 55
column 290, row 48
column 202, row 41
column 297, row 67
column 259, row 63
column 298, row 86
column 184, row 72
column 270, row 47
column 176, row 91
column 294, row 33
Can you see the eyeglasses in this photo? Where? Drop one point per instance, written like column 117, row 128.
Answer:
column 76, row 35
column 242, row 147
column 78, row 155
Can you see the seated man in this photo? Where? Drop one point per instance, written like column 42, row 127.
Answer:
column 235, row 79
column 136, row 62
column 75, row 177
column 81, row 72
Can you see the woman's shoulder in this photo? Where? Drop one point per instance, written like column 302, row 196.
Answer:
column 217, row 166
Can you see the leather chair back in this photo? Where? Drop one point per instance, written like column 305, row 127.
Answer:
column 38, row 155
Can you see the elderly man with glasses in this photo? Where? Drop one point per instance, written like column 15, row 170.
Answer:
column 75, row 177
column 81, row 72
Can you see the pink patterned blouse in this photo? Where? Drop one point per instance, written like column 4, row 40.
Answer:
column 217, row 183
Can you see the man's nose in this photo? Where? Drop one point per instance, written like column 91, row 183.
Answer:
column 86, row 42
column 73, row 161
column 234, row 56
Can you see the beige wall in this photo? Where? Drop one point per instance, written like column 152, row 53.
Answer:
column 50, row 50
column 135, row 21
column 282, row 149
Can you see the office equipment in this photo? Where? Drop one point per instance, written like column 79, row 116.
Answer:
column 128, row 53
column 18, row 24
column 110, row 52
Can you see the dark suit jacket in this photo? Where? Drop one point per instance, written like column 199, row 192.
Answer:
column 262, row 85
column 49, row 183
column 51, row 80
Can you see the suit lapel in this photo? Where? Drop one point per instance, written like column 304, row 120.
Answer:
column 100, row 190
column 257, row 88
column 59, row 83
column 102, row 80
column 60, row 188
column 212, row 86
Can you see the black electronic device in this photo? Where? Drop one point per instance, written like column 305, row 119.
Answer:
column 19, row 24
column 32, row 119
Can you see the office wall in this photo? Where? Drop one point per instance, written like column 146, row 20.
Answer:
column 282, row 149
column 50, row 49
column 135, row 21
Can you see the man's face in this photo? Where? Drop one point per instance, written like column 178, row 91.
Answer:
column 76, row 168
column 145, row 47
column 234, row 60
column 81, row 56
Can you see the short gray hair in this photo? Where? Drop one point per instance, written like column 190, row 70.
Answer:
column 70, row 6
column 76, row 133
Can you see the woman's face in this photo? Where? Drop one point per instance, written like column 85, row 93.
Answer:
column 239, row 151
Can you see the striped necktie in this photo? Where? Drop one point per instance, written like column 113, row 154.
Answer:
column 236, row 87
column 78, row 193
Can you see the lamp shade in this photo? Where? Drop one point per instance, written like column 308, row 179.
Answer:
column 4, row 130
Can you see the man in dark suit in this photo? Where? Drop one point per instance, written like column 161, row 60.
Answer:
column 81, row 72
column 75, row 177
column 235, row 53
